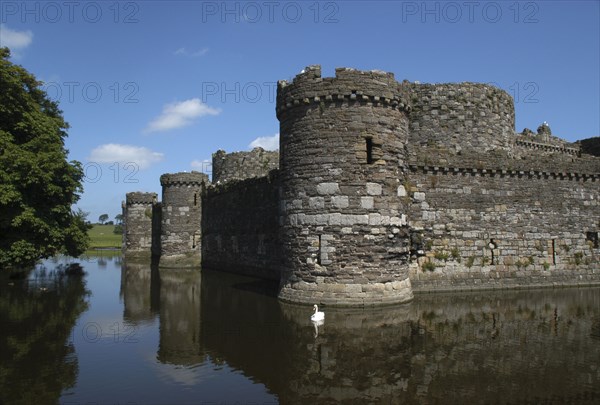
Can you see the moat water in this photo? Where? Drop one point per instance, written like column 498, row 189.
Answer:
column 125, row 334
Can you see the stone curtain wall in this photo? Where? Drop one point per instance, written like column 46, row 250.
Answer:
column 181, row 219
column 240, row 227
column 137, row 228
column 503, row 228
column 461, row 116
column 342, row 142
column 156, row 228
column 242, row 165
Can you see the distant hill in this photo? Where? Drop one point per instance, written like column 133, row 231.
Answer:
column 591, row 146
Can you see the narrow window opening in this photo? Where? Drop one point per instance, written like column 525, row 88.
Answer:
column 195, row 199
column 592, row 237
column 492, row 245
column 369, row 150
column 553, row 251
column 319, row 254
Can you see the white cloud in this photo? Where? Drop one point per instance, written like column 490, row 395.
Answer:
column 266, row 142
column 15, row 40
column 181, row 114
column 114, row 152
column 185, row 52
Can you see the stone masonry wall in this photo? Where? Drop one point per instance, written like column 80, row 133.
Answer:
column 137, row 228
column 240, row 227
column 181, row 219
column 342, row 146
column 243, row 165
column 499, row 228
column 459, row 116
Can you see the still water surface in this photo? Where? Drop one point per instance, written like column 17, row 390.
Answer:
column 125, row 334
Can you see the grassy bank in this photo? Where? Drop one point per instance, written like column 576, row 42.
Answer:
column 103, row 237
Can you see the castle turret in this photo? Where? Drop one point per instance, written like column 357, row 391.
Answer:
column 243, row 165
column 461, row 116
column 342, row 155
column 137, row 230
column 181, row 218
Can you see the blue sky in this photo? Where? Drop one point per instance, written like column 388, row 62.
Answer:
column 151, row 87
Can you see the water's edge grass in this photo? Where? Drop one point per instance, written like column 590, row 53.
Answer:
column 103, row 237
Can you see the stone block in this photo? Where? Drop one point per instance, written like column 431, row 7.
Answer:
column 419, row 196
column 340, row 201
column 316, row 202
column 335, row 219
column 374, row 219
column 366, row 202
column 328, row 188
column 374, row 189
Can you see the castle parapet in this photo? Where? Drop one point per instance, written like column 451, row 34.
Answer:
column 181, row 218
column 349, row 85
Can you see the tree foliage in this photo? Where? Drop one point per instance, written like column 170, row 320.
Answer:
column 103, row 218
column 38, row 185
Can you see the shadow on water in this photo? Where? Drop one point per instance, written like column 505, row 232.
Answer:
column 37, row 315
column 492, row 347
column 504, row 347
column 140, row 293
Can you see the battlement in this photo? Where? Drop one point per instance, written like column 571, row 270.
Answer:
column 138, row 197
column 547, row 147
column 183, row 179
column 349, row 85
column 243, row 165
column 506, row 173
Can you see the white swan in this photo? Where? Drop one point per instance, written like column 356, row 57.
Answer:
column 317, row 316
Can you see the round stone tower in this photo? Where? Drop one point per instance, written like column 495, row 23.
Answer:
column 181, row 217
column 342, row 152
column 137, row 229
column 461, row 116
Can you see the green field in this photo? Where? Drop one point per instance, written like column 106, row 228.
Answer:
column 102, row 237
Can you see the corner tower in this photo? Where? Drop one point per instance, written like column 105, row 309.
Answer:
column 342, row 154
column 181, row 217
column 137, row 230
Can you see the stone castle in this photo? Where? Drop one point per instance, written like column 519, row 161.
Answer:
column 380, row 188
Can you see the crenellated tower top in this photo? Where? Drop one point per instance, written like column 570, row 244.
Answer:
column 193, row 178
column 349, row 85
column 138, row 197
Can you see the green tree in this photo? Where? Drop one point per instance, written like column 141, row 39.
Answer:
column 38, row 185
column 102, row 218
column 119, row 219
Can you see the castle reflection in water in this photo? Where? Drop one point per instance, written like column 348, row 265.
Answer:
column 493, row 347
